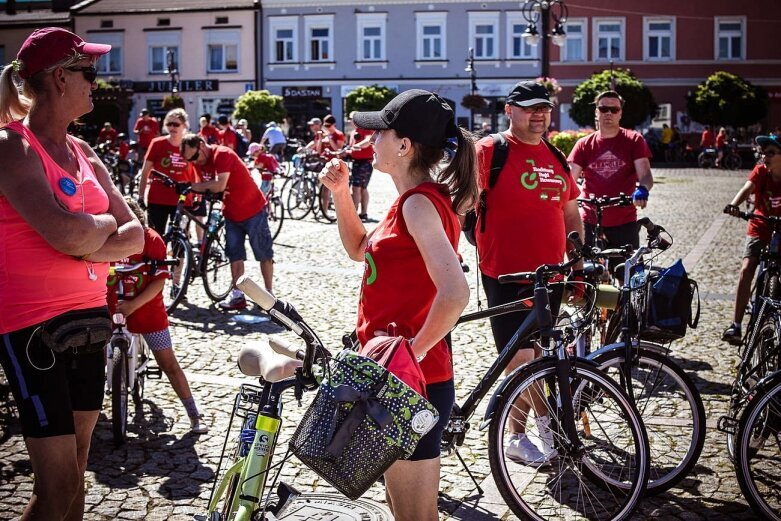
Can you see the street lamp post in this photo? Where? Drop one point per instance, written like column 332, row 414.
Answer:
column 470, row 69
column 172, row 70
column 541, row 10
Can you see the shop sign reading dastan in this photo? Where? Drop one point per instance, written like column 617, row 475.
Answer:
column 302, row 92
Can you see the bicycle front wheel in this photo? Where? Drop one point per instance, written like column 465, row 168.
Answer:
column 671, row 409
column 276, row 215
column 119, row 396
column 179, row 249
column 217, row 278
column 733, row 161
column 568, row 485
column 326, row 202
column 758, row 454
column 300, row 196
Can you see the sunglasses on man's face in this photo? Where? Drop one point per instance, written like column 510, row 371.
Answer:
column 90, row 72
column 195, row 156
column 604, row 109
column 173, row 124
column 538, row 109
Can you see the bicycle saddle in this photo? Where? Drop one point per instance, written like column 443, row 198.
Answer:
column 258, row 359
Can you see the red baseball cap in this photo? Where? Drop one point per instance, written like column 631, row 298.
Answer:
column 50, row 45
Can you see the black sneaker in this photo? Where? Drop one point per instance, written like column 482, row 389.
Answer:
column 732, row 335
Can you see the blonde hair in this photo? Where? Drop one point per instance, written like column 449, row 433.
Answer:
column 179, row 114
column 17, row 95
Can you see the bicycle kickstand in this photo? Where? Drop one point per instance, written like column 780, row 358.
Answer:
column 479, row 489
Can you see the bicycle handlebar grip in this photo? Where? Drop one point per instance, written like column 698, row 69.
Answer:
column 259, row 295
column 527, row 276
column 649, row 226
column 283, row 347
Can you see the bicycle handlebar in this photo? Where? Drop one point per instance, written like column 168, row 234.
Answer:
column 151, row 264
column 183, row 188
column 747, row 216
column 604, row 202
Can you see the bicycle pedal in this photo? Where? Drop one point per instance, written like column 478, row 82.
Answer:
column 727, row 424
column 154, row 373
column 286, row 494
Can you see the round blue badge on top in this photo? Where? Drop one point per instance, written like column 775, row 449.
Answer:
column 67, row 185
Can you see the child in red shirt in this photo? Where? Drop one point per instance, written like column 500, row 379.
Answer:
column 266, row 163
column 143, row 307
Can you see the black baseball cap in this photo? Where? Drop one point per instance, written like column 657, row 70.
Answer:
column 420, row 115
column 528, row 94
column 766, row 141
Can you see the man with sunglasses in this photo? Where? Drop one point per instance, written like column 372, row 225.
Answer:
column 612, row 161
column 243, row 206
column 528, row 213
column 764, row 183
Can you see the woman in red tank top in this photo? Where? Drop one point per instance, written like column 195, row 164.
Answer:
column 413, row 276
column 61, row 222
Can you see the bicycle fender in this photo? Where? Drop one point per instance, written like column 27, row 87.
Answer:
column 511, row 379
column 644, row 344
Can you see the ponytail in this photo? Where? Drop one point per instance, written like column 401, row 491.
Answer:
column 13, row 106
column 460, row 175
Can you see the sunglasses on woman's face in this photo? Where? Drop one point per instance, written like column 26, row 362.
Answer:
column 173, row 124
column 90, row 72
column 605, row 109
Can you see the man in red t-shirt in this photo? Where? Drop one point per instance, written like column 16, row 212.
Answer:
column 362, row 152
column 146, row 128
column 706, row 138
column 764, row 183
column 208, row 131
column 612, row 161
column 528, row 214
column 226, row 136
column 107, row 133
column 243, row 206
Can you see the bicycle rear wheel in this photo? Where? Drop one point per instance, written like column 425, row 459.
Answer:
column 733, row 161
column 570, row 486
column 325, row 201
column 179, row 249
column 276, row 216
column 671, row 409
column 119, row 395
column 217, row 278
column 758, row 454
column 301, row 193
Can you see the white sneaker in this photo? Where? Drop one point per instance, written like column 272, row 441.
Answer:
column 198, row 425
column 521, row 449
column 546, row 437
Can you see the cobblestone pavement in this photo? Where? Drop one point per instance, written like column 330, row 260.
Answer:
column 163, row 472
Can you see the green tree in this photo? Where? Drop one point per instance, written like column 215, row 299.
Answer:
column 727, row 99
column 373, row 97
column 173, row 101
column 639, row 102
column 259, row 107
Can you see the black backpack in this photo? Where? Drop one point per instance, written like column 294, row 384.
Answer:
column 242, row 144
column 501, row 149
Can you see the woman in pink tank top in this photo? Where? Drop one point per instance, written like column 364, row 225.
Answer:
column 61, row 223
column 413, row 276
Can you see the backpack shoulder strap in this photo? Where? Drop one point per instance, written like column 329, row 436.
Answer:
column 558, row 153
column 499, row 157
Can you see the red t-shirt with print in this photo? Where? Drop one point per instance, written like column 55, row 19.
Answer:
column 150, row 317
column 609, row 170
column 767, row 194
column 242, row 198
column 524, row 222
column 166, row 159
column 396, row 285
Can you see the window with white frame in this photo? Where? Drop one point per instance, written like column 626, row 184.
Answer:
column 222, row 50
column 111, row 62
column 283, row 32
column 659, row 39
column 517, row 48
column 574, row 48
column 730, row 40
column 608, row 39
column 484, row 35
column 319, row 31
column 431, row 36
column 161, row 45
column 371, row 36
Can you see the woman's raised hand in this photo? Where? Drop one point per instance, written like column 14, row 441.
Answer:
column 335, row 175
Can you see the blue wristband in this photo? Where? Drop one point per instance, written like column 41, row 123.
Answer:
column 640, row 194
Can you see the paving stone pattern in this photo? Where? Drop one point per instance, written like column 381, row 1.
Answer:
column 163, row 472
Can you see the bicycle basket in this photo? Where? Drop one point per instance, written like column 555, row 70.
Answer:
column 662, row 300
column 361, row 421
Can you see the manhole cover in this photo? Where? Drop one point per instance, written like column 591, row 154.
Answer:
column 324, row 507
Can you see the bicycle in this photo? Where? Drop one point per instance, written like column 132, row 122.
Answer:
column 276, row 210
column 129, row 355
column 612, row 455
column 667, row 399
column 209, row 261
column 242, row 493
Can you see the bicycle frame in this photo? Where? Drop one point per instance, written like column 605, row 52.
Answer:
column 175, row 226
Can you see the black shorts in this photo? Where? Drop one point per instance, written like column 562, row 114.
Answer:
column 617, row 236
column 361, row 173
column 504, row 326
column 49, row 386
column 198, row 208
column 442, row 396
column 157, row 216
